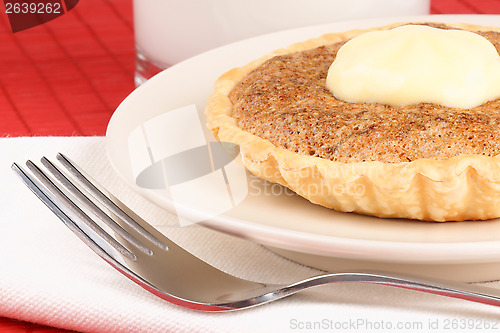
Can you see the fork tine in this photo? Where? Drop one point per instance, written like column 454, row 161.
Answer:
column 55, row 199
column 49, row 200
column 99, row 193
column 92, row 206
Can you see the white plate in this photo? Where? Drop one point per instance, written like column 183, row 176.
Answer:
column 292, row 226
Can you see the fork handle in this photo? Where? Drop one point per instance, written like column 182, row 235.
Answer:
column 465, row 291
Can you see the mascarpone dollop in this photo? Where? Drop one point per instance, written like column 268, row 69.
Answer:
column 412, row 64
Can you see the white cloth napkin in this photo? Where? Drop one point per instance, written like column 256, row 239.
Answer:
column 48, row 276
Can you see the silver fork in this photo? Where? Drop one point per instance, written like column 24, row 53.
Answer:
column 165, row 269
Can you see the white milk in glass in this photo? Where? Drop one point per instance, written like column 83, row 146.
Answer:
column 168, row 31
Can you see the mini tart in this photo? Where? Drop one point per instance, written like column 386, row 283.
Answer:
column 454, row 183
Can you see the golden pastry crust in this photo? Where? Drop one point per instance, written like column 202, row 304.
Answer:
column 440, row 188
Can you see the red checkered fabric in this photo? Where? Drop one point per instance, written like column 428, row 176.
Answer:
column 67, row 77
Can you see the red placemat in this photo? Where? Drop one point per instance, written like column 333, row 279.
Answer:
column 14, row 326
column 67, row 77
column 465, row 6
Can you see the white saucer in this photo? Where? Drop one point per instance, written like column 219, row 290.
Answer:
column 290, row 225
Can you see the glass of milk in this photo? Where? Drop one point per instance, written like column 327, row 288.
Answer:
column 169, row 31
